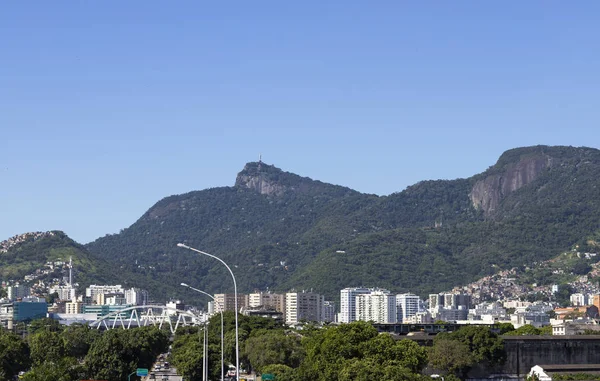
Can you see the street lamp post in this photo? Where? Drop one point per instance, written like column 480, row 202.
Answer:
column 205, row 347
column 221, row 309
column 237, row 342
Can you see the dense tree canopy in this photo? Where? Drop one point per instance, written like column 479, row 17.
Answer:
column 357, row 350
column 14, row 355
column 270, row 347
column 457, row 351
column 116, row 353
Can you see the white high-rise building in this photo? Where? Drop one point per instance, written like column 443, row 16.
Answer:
column 408, row 305
column 94, row 290
column 348, row 303
column 448, row 301
column 378, row 306
column 302, row 306
column 17, row 291
column 174, row 305
column 578, row 300
column 136, row 297
column 117, row 299
column 64, row 292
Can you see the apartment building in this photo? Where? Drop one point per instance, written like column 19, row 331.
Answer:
column 17, row 291
column 301, row 306
column 73, row 307
column 226, row 302
column 378, row 306
column 94, row 290
column 348, row 296
column 328, row 312
column 407, row 306
column 267, row 299
column 136, row 297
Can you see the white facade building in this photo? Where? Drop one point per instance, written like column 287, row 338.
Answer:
column 493, row 309
column 17, row 291
column 301, row 306
column 535, row 314
column 408, row 305
column 578, row 300
column 64, row 292
column 94, row 290
column 117, row 299
column 452, row 314
column 421, row 317
column 175, row 305
column 348, row 303
column 136, row 297
column 267, row 299
column 378, row 306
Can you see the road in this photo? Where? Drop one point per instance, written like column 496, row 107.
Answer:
column 163, row 374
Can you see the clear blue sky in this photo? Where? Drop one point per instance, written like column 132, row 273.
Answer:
column 108, row 106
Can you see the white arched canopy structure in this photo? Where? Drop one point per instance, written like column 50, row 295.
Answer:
column 143, row 316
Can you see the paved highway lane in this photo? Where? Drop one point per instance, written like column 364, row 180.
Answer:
column 163, row 375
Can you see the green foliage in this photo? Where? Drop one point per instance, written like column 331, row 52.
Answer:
column 450, row 355
column 187, row 349
column 64, row 369
column 14, row 355
column 44, row 325
column 356, row 351
column 582, row 267
column 273, row 347
column 529, row 329
column 563, row 296
column 484, row 345
column 504, row 327
column 407, row 354
column 78, row 339
column 46, row 346
column 575, row 377
column 187, row 354
column 116, row 353
column 456, row 352
column 281, row 372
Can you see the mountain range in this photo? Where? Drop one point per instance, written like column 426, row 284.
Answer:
column 281, row 231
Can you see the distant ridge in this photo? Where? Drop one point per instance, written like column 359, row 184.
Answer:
column 18, row 239
column 533, row 203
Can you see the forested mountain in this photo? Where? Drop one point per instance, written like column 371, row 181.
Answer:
column 281, row 231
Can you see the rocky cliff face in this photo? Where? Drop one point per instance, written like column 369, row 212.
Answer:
column 260, row 184
column 487, row 193
column 261, row 178
column 271, row 181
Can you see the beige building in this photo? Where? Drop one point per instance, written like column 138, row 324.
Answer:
column 227, row 302
column 267, row 300
column 72, row 308
column 301, row 306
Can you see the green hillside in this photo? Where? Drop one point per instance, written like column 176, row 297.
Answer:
column 36, row 249
column 281, row 230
